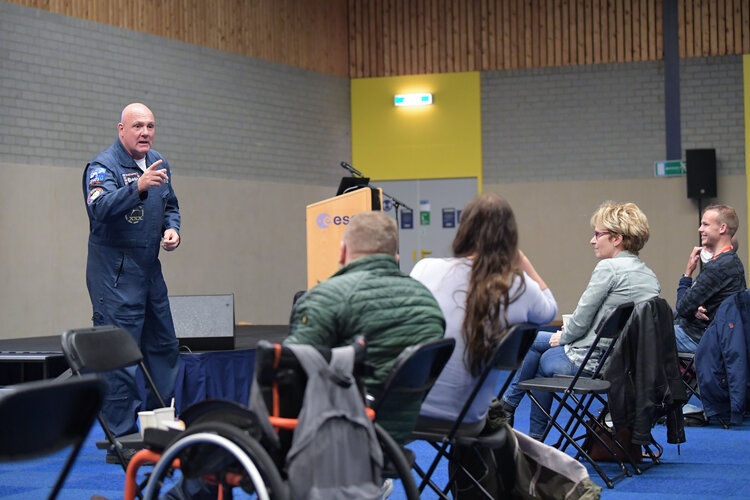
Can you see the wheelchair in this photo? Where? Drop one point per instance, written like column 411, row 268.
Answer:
column 227, row 451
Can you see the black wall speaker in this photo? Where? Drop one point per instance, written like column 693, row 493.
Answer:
column 701, row 173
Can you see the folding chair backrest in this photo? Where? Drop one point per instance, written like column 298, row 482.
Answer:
column 609, row 328
column 100, row 348
column 40, row 418
column 416, row 369
column 509, row 354
column 514, row 346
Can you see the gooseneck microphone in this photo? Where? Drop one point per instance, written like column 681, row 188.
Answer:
column 351, row 169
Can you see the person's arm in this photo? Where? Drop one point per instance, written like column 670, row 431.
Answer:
column 172, row 218
column 707, row 284
column 542, row 304
column 588, row 305
column 686, row 281
column 313, row 320
column 524, row 264
column 105, row 198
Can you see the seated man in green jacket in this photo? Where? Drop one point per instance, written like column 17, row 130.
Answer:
column 370, row 297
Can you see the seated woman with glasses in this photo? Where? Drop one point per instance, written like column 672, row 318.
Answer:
column 620, row 231
column 488, row 285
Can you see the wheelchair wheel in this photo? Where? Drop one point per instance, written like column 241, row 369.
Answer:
column 234, row 458
column 392, row 451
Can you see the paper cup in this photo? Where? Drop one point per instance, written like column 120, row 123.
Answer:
column 146, row 419
column 164, row 416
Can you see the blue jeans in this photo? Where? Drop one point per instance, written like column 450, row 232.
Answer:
column 541, row 361
column 684, row 342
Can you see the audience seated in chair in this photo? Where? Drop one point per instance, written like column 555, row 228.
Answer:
column 488, row 285
column 620, row 232
column 370, row 297
column 723, row 275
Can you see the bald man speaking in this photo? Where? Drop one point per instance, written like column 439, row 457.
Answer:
column 132, row 211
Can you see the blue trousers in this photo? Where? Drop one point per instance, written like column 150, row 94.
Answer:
column 684, row 342
column 541, row 361
column 134, row 298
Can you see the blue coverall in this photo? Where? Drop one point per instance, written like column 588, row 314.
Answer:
column 124, row 278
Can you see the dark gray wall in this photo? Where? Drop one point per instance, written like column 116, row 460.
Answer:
column 606, row 121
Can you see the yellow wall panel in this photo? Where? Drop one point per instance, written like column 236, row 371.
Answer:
column 443, row 140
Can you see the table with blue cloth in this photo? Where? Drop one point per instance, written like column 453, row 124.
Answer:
column 214, row 375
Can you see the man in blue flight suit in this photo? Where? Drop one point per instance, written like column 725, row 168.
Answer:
column 132, row 209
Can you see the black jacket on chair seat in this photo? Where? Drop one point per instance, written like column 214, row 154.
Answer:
column 645, row 374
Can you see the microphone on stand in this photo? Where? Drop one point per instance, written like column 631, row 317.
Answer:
column 351, row 169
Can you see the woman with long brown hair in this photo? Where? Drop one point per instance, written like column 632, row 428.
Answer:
column 488, row 285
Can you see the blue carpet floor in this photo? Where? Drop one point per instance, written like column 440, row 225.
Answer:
column 713, row 463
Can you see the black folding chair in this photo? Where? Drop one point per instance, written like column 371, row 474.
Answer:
column 102, row 349
column 508, row 355
column 690, row 380
column 582, row 389
column 409, row 380
column 40, row 418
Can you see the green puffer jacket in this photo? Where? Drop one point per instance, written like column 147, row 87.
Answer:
column 370, row 297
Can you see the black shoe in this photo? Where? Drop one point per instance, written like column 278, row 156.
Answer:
column 127, row 454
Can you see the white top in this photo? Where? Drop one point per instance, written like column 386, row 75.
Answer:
column 448, row 280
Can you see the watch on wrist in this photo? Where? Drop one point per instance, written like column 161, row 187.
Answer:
column 686, row 276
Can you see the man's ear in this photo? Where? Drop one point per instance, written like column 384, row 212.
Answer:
column 398, row 258
column 342, row 254
column 723, row 229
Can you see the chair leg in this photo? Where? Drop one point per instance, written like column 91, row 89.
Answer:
column 66, row 470
column 427, row 476
column 461, row 469
column 609, row 482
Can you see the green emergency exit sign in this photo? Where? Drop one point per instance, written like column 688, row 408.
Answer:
column 669, row 168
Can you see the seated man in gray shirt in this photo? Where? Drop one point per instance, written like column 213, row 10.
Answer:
column 721, row 277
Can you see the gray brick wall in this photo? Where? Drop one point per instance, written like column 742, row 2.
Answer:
column 711, row 109
column 65, row 80
column 606, row 121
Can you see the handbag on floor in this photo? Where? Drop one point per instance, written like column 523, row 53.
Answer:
column 598, row 452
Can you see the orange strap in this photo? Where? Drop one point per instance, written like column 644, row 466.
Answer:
column 721, row 252
column 289, row 423
column 140, row 458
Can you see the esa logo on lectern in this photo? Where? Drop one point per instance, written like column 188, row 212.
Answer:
column 324, row 220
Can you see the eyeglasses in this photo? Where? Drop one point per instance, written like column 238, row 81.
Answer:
column 597, row 234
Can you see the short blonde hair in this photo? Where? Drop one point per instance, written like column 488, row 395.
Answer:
column 371, row 232
column 625, row 219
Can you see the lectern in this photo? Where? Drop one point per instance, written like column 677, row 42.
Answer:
column 326, row 221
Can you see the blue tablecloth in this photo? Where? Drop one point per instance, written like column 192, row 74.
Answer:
column 215, row 374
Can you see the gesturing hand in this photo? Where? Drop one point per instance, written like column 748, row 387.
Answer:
column 695, row 256
column 152, row 177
